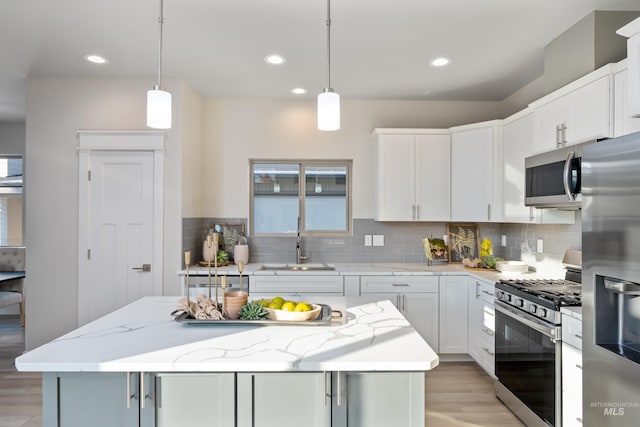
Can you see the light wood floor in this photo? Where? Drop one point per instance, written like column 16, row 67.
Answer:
column 457, row 394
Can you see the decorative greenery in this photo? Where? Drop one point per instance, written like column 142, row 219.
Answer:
column 252, row 311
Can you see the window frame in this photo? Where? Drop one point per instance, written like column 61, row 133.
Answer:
column 303, row 164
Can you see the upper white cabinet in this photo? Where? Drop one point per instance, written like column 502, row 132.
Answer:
column 577, row 112
column 517, row 144
column 412, row 181
column 624, row 123
column 632, row 30
column 476, row 173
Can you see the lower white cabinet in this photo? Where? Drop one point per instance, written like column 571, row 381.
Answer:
column 265, row 399
column 284, row 399
column 378, row 399
column 571, row 371
column 415, row 296
column 482, row 324
column 296, row 287
column 454, row 314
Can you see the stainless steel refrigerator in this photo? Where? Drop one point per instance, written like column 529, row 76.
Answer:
column 611, row 282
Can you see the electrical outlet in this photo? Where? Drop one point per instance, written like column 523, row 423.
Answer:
column 539, row 246
column 367, row 240
column 503, row 240
column 378, row 240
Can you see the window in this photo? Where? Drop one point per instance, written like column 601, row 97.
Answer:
column 282, row 203
column 10, row 201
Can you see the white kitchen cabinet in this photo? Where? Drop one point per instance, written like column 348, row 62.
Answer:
column 296, row 287
column 571, row 371
column 632, row 31
column 476, row 175
column 377, row 399
column 282, row 399
column 454, row 315
column 517, row 144
column 624, row 123
column 578, row 112
column 482, row 323
column 412, row 174
column 415, row 296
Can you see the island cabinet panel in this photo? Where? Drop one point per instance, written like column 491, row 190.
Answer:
column 284, row 399
column 296, row 287
column 415, row 296
column 202, row 399
column 80, row 399
column 378, row 399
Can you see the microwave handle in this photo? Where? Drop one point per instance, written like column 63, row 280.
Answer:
column 566, row 175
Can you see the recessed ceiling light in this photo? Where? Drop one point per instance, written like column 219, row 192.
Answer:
column 299, row 91
column 274, row 59
column 96, row 59
column 440, row 62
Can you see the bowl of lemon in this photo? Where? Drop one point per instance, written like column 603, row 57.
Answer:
column 290, row 311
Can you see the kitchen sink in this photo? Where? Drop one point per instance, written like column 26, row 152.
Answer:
column 297, row 267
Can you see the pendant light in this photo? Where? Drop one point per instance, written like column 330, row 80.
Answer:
column 328, row 100
column 158, row 100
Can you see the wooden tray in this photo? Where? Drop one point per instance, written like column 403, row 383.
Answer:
column 326, row 317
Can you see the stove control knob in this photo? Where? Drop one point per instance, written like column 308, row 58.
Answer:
column 519, row 302
column 509, row 298
column 542, row 312
column 533, row 308
column 501, row 295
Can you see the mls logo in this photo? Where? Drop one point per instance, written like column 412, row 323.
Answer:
column 613, row 411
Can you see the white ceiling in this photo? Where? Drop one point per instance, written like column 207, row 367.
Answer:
column 380, row 48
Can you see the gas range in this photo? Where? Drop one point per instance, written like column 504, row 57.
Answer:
column 541, row 298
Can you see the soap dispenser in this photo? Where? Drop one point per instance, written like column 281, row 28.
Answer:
column 241, row 250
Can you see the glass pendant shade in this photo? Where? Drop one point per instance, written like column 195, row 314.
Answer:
column 328, row 110
column 158, row 109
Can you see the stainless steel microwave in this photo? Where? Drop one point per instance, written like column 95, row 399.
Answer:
column 552, row 179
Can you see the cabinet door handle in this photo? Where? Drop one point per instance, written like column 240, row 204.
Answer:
column 487, row 292
column 129, row 390
column 487, row 331
column 564, row 134
column 487, row 351
column 558, row 138
column 404, row 300
column 400, row 284
column 578, row 366
column 578, row 336
column 477, row 292
column 324, row 380
column 489, row 212
column 142, row 396
column 339, row 387
column 531, row 216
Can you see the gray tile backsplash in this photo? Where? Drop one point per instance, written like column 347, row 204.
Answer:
column 402, row 242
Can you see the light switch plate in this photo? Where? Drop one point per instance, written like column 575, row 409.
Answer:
column 539, row 246
column 367, row 240
column 503, row 240
column 378, row 240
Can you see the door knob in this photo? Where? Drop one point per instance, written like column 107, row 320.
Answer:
column 145, row 267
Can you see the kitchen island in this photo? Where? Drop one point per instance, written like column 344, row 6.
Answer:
column 138, row 366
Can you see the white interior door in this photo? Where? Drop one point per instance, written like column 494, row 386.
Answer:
column 119, row 202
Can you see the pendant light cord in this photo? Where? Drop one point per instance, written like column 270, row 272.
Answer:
column 328, row 44
column 160, row 22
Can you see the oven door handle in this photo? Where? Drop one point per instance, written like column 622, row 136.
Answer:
column 566, row 176
column 551, row 331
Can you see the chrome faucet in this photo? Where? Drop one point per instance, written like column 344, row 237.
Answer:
column 299, row 256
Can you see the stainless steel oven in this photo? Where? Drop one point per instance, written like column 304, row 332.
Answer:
column 528, row 356
column 528, row 366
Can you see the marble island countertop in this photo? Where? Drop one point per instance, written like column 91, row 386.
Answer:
column 144, row 337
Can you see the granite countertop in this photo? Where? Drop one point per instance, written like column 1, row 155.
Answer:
column 144, row 337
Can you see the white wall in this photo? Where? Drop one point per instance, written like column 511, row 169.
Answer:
column 56, row 109
column 12, row 138
column 236, row 130
column 191, row 153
